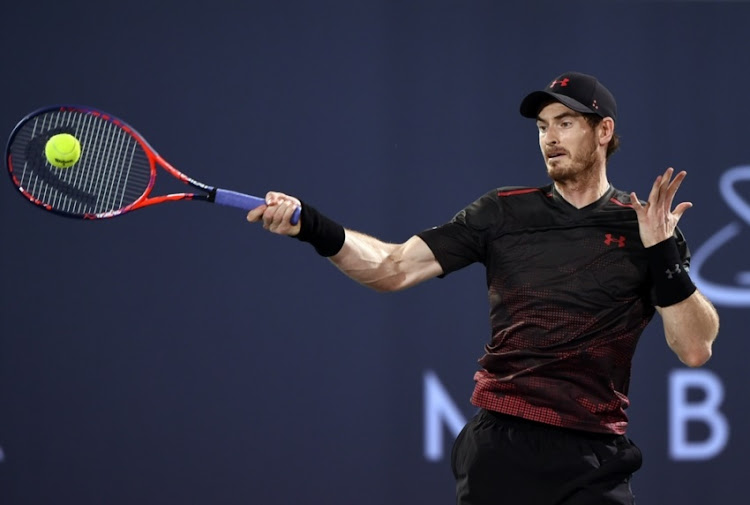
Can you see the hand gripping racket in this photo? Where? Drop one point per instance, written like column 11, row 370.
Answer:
column 114, row 175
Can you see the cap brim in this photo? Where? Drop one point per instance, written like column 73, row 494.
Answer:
column 532, row 103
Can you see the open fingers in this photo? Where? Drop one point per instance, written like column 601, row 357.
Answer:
column 653, row 196
column 665, row 181
column 665, row 188
column 635, row 202
column 661, row 187
column 673, row 187
column 681, row 208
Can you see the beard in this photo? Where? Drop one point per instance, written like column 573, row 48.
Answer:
column 575, row 169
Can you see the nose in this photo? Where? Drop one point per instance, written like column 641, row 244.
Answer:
column 550, row 138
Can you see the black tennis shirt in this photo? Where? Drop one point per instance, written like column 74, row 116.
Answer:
column 570, row 295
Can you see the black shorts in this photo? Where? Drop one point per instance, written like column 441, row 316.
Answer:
column 499, row 459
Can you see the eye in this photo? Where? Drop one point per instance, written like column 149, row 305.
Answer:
column 541, row 128
column 566, row 123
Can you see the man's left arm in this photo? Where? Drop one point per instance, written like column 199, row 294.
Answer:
column 691, row 322
column 691, row 326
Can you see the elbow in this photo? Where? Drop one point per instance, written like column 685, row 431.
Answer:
column 382, row 287
column 388, row 285
column 696, row 357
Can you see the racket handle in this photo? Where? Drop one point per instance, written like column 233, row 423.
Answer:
column 246, row 202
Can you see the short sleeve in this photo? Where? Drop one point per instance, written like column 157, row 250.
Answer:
column 463, row 240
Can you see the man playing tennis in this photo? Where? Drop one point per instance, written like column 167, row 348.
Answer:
column 575, row 271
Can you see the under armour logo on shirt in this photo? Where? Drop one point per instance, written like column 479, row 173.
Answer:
column 609, row 240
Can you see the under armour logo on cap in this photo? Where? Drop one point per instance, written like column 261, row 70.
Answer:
column 580, row 92
column 564, row 82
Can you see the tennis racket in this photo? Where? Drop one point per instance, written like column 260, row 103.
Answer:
column 114, row 175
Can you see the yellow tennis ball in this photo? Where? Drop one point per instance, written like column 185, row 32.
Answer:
column 62, row 150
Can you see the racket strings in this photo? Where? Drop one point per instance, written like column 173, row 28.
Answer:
column 112, row 172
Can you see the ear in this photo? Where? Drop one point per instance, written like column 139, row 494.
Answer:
column 605, row 130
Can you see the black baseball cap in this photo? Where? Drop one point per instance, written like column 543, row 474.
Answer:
column 580, row 92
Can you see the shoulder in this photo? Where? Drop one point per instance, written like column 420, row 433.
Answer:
column 523, row 191
column 493, row 207
column 497, row 198
column 518, row 199
column 621, row 200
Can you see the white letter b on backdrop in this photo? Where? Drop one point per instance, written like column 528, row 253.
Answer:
column 705, row 411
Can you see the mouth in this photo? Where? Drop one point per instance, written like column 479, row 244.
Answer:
column 552, row 155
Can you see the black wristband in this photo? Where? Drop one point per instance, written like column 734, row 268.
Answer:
column 672, row 283
column 324, row 234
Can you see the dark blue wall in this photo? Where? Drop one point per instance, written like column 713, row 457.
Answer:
column 180, row 355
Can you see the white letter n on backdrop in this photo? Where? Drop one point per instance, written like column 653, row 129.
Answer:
column 705, row 411
column 439, row 410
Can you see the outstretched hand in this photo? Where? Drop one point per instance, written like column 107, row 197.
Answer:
column 656, row 219
column 276, row 214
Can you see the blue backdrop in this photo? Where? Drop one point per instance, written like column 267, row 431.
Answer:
column 181, row 355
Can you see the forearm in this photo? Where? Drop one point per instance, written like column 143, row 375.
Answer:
column 383, row 266
column 690, row 327
column 367, row 260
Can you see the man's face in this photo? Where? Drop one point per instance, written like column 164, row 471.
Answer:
column 568, row 143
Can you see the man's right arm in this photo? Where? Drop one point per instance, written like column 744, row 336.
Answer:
column 373, row 263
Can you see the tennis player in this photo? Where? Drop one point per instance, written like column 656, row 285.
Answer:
column 575, row 271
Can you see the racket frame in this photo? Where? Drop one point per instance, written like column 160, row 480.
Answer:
column 153, row 157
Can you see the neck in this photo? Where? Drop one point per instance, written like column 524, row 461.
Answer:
column 580, row 193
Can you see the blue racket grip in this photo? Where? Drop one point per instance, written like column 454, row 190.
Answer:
column 246, row 202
